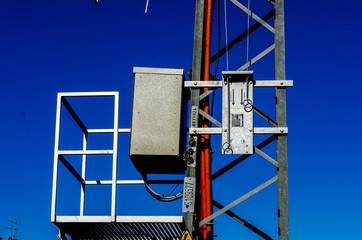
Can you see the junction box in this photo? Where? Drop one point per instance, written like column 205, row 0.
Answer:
column 237, row 112
column 159, row 115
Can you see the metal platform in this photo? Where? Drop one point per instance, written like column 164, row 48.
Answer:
column 125, row 227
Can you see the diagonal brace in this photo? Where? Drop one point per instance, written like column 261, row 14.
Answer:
column 239, row 200
column 266, row 157
column 242, row 36
column 257, row 58
column 253, row 15
column 265, row 116
column 243, row 221
column 211, row 119
column 71, row 169
column 242, row 158
column 207, row 93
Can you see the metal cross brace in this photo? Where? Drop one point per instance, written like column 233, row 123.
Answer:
column 239, row 200
column 254, row 16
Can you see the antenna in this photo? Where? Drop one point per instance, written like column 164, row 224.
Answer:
column 13, row 227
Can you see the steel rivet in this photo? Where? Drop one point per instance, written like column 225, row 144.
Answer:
column 195, row 83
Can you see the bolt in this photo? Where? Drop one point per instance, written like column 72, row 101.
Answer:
column 281, row 83
column 190, row 160
column 250, row 130
column 281, row 131
column 195, row 83
column 225, row 130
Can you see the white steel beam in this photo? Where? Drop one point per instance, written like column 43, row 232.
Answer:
column 86, row 152
column 55, row 166
column 115, row 155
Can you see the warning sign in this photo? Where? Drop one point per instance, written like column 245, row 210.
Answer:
column 186, row 236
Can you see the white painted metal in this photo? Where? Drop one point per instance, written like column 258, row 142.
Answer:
column 115, row 148
column 55, row 167
column 121, row 219
column 87, row 152
column 150, row 219
column 87, row 94
column 88, row 219
column 120, row 130
column 84, row 165
column 119, row 182
column 84, row 152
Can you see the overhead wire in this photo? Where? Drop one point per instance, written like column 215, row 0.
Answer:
column 247, row 38
column 217, row 56
column 226, row 37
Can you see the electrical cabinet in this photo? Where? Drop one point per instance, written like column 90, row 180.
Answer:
column 237, row 112
column 158, row 134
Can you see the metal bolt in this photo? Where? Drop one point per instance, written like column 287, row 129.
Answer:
column 190, row 160
column 281, row 83
column 225, row 130
column 194, row 131
column 281, row 131
column 195, row 83
column 250, row 130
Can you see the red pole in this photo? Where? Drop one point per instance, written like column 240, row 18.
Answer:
column 206, row 204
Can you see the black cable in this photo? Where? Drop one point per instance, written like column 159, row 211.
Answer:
column 217, row 56
column 158, row 196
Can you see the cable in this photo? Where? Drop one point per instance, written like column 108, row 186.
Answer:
column 226, row 38
column 217, row 57
column 247, row 39
column 158, row 196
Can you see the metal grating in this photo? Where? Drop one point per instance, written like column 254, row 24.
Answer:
column 122, row 230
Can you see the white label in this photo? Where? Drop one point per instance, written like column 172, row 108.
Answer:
column 188, row 202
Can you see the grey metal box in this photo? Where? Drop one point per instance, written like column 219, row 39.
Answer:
column 158, row 120
column 237, row 112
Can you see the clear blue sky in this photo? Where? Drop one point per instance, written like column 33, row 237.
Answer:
column 61, row 46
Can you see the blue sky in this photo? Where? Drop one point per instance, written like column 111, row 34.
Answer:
column 55, row 46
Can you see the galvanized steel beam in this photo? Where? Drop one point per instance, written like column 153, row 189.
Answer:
column 281, row 118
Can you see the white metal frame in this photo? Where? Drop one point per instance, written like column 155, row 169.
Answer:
column 59, row 154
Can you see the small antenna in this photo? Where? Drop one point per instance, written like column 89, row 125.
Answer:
column 146, row 6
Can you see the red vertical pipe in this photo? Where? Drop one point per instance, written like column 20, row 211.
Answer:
column 205, row 139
